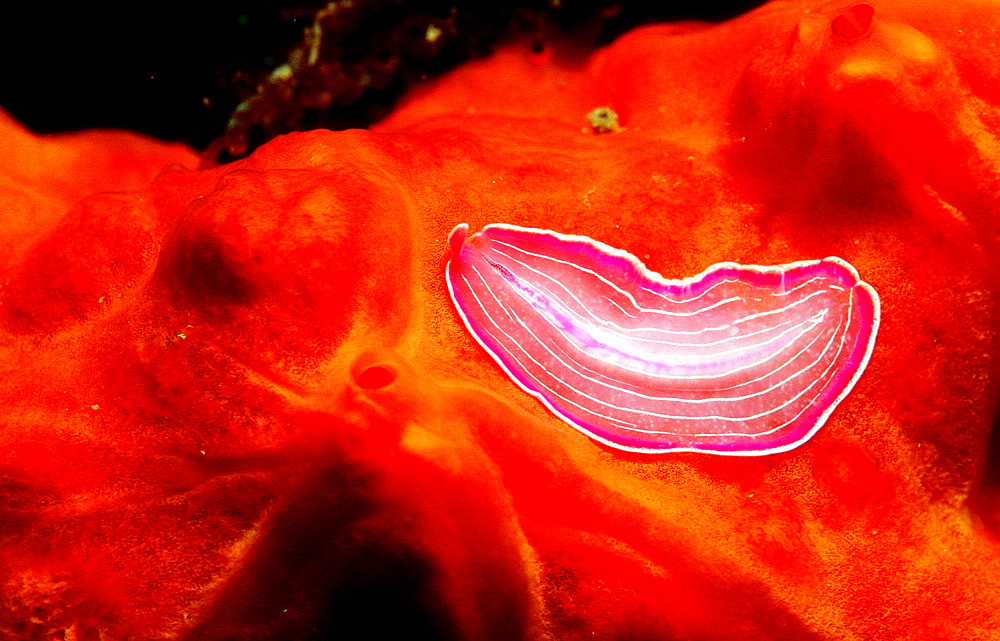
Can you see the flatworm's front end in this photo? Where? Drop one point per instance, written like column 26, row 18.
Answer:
column 739, row 360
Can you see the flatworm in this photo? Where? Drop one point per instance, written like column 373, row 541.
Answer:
column 738, row 360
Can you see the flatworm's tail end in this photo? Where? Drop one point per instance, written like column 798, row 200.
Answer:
column 456, row 239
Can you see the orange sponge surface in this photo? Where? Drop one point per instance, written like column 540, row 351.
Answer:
column 237, row 403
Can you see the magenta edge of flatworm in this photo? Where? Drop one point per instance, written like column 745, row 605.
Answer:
column 861, row 354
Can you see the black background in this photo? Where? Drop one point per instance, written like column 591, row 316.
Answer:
column 176, row 70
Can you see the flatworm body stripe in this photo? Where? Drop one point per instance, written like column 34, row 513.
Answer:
column 738, row 360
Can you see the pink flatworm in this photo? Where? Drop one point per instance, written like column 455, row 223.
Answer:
column 738, row 360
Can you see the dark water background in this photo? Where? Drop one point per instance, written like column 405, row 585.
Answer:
column 177, row 70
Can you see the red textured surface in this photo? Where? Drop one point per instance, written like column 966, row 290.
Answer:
column 237, row 403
